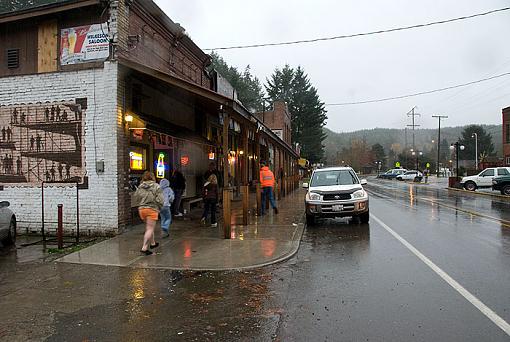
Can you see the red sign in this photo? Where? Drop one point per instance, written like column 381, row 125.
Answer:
column 184, row 160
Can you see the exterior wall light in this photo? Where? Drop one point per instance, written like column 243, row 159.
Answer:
column 128, row 118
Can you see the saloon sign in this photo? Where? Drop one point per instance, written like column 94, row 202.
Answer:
column 84, row 44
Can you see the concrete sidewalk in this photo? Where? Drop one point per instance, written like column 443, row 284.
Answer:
column 191, row 246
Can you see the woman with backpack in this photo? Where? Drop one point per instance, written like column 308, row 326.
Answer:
column 149, row 198
column 210, row 195
column 165, row 213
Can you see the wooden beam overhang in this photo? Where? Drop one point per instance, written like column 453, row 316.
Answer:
column 44, row 10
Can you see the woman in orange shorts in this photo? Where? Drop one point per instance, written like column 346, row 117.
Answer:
column 149, row 198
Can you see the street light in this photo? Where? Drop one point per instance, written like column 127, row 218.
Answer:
column 475, row 135
column 457, row 146
column 417, row 154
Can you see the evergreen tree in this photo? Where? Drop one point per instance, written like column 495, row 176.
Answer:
column 248, row 87
column 307, row 110
column 485, row 145
column 378, row 151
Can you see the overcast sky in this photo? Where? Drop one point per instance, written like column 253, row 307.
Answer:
column 373, row 67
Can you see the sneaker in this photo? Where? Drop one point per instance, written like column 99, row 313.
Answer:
column 165, row 235
column 214, row 225
column 179, row 215
column 202, row 221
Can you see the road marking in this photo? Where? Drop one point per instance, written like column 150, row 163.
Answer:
column 494, row 317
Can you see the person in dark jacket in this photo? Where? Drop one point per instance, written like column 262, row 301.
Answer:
column 178, row 185
column 210, row 194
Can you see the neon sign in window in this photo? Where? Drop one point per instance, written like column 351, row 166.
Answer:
column 161, row 166
column 137, row 159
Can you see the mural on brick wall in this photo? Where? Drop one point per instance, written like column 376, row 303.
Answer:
column 42, row 142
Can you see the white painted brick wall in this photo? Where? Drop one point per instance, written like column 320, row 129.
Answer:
column 98, row 203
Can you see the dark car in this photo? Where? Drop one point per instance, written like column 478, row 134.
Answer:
column 7, row 224
column 502, row 184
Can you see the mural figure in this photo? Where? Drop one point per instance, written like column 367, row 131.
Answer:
column 60, row 171
column 18, row 166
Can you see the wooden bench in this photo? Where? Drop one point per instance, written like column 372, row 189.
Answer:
column 188, row 201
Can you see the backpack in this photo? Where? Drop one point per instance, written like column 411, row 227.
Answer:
column 171, row 196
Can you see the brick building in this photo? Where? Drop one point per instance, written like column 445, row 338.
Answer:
column 506, row 136
column 93, row 93
column 278, row 119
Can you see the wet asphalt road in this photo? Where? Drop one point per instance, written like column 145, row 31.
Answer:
column 348, row 282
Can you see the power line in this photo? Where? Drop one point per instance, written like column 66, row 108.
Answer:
column 418, row 94
column 395, row 29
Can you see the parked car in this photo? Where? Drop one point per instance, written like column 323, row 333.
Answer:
column 484, row 178
column 336, row 192
column 412, row 175
column 7, row 224
column 392, row 173
column 502, row 184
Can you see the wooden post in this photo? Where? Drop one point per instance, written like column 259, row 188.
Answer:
column 259, row 199
column 226, row 212
column 226, row 121
column 245, row 160
column 246, row 203
column 226, row 190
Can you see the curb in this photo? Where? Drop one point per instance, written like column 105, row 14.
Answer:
column 507, row 198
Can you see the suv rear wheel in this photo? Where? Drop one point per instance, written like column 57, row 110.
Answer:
column 506, row 190
column 310, row 220
column 364, row 218
column 11, row 237
column 470, row 186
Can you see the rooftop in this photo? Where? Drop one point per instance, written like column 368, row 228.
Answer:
column 12, row 6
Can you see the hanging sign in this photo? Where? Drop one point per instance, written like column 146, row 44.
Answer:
column 397, row 164
column 428, row 165
column 84, row 44
column 184, row 160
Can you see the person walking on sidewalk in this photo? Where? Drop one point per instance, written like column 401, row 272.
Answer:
column 149, row 198
column 178, row 185
column 267, row 184
column 210, row 194
column 165, row 213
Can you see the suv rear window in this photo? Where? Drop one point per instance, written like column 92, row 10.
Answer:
column 334, row 177
column 503, row 172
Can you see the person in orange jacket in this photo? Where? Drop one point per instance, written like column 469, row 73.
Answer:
column 267, row 184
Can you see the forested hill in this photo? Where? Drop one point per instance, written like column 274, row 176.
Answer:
column 389, row 137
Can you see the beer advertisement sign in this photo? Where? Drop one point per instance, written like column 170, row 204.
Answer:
column 84, row 44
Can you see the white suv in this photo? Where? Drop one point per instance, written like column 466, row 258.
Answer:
column 484, row 178
column 336, row 192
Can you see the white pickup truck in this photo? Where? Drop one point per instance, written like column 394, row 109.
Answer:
column 484, row 178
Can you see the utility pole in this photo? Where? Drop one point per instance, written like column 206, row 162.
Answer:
column 412, row 114
column 405, row 146
column 439, row 117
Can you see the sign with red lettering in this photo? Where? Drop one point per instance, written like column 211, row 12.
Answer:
column 184, row 160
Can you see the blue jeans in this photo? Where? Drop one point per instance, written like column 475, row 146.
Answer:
column 267, row 192
column 166, row 218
